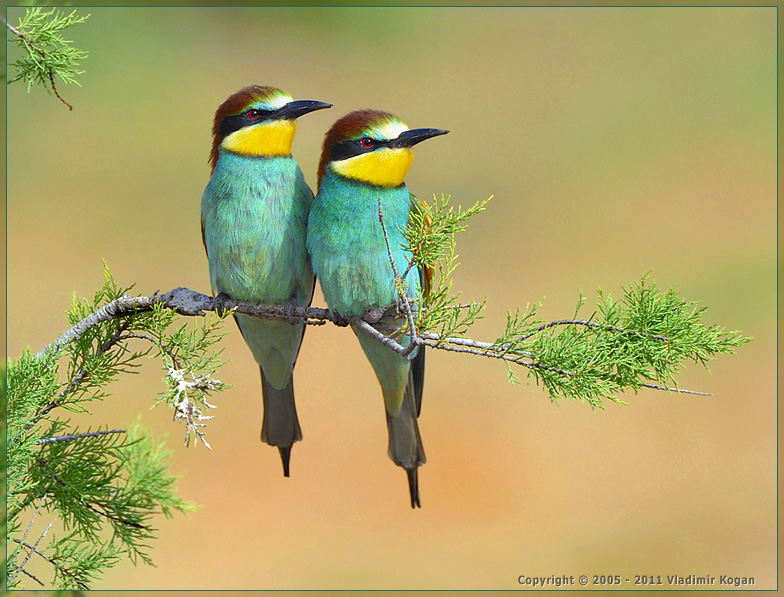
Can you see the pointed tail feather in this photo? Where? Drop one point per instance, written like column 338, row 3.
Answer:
column 280, row 426
column 405, row 443
column 418, row 378
column 413, row 487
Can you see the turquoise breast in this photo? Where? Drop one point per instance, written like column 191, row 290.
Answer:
column 347, row 246
column 254, row 215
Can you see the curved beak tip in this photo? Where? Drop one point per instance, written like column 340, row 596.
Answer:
column 412, row 137
column 299, row 108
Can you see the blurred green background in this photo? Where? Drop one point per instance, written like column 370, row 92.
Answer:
column 616, row 141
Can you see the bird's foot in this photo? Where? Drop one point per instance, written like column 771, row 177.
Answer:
column 288, row 311
column 340, row 321
column 220, row 303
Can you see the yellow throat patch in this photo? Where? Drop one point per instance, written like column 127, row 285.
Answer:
column 268, row 139
column 383, row 168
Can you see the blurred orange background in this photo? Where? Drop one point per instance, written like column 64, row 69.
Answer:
column 616, row 141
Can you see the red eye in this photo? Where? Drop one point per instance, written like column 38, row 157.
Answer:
column 366, row 142
column 253, row 113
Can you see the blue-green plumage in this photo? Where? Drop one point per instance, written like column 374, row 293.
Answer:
column 351, row 259
column 254, row 215
column 365, row 158
column 345, row 237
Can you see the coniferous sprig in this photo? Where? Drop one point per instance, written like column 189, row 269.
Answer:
column 103, row 481
column 640, row 342
column 431, row 229
column 430, row 237
column 47, row 53
column 643, row 340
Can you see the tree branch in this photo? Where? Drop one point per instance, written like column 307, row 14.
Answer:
column 191, row 303
column 590, row 324
column 10, row 27
column 72, row 436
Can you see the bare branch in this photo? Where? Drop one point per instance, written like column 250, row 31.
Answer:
column 483, row 349
column 69, row 436
column 26, row 573
column 32, row 549
column 379, row 337
column 677, row 390
column 590, row 324
column 10, row 27
column 191, row 303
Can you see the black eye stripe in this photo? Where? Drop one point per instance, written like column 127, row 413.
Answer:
column 234, row 123
column 353, row 147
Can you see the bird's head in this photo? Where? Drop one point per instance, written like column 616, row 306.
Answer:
column 258, row 121
column 371, row 147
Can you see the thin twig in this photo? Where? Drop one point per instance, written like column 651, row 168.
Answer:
column 71, row 436
column 79, row 377
column 112, row 517
column 10, row 27
column 54, row 88
column 379, row 337
column 26, row 573
column 470, row 349
column 51, row 561
column 151, row 340
column 502, row 348
column 32, row 520
column 399, row 282
column 32, row 548
column 590, row 324
column 677, row 390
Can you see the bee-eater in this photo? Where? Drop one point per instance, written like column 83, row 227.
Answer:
column 365, row 158
column 253, row 217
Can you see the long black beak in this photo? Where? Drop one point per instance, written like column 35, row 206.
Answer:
column 414, row 136
column 299, row 108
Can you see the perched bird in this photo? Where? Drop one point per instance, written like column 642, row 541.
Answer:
column 253, row 217
column 365, row 157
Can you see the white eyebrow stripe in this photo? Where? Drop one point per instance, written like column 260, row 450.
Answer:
column 278, row 101
column 390, row 129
